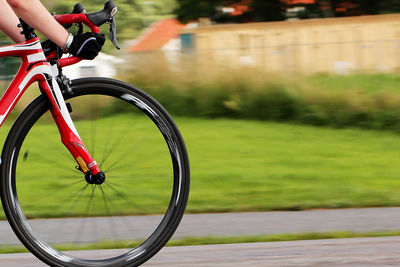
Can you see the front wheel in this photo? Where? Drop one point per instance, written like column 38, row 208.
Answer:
column 52, row 208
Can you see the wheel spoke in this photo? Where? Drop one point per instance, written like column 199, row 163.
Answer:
column 122, row 156
column 107, row 144
column 120, row 213
column 120, row 193
column 109, row 215
column 83, row 218
column 122, row 135
column 78, row 195
column 54, row 161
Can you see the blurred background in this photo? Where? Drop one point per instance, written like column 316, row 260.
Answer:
column 283, row 104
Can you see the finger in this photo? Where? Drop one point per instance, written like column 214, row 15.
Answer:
column 101, row 39
column 93, row 54
column 99, row 45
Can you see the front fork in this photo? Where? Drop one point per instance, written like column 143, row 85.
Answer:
column 69, row 135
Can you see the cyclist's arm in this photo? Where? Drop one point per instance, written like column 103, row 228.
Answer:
column 9, row 21
column 86, row 45
column 36, row 15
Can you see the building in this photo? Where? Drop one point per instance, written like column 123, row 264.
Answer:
column 103, row 65
column 161, row 42
column 330, row 45
column 162, row 35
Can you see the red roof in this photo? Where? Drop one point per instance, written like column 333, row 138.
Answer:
column 345, row 6
column 159, row 34
column 241, row 7
column 244, row 6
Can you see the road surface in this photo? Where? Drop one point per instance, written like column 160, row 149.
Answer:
column 220, row 224
column 381, row 251
column 343, row 252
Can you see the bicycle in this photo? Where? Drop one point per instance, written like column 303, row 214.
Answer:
column 142, row 165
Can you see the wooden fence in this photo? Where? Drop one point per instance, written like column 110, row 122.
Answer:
column 336, row 45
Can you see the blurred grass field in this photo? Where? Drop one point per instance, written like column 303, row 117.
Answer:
column 252, row 165
column 244, row 165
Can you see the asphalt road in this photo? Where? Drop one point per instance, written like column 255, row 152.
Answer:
column 339, row 252
column 223, row 224
column 343, row 252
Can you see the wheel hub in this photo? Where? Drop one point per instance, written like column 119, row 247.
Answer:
column 97, row 179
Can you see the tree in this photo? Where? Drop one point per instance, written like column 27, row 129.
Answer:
column 326, row 7
column 367, row 7
column 387, row 6
column 370, row 6
column 267, row 10
column 260, row 10
column 193, row 9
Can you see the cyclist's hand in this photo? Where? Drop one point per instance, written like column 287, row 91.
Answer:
column 48, row 46
column 87, row 45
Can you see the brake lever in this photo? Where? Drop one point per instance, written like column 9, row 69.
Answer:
column 106, row 16
column 80, row 28
column 113, row 33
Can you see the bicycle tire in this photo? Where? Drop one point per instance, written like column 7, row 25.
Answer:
column 23, row 164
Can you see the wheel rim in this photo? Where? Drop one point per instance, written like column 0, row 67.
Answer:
column 155, row 176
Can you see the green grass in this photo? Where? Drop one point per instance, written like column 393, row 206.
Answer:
column 240, row 165
column 365, row 83
column 210, row 240
column 252, row 165
column 213, row 240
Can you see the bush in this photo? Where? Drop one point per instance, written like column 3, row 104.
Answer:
column 316, row 100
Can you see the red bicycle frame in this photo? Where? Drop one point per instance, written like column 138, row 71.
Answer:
column 36, row 68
